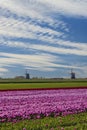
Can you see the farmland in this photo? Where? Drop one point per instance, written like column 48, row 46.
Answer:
column 39, row 84
column 65, row 107
column 69, row 122
column 37, row 109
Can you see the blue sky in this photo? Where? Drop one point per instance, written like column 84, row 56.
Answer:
column 46, row 37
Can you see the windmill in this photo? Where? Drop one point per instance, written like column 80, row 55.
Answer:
column 72, row 74
column 27, row 75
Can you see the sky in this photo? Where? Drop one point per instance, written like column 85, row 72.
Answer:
column 46, row 37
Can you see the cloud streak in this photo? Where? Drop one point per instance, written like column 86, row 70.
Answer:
column 78, row 49
column 42, row 62
column 68, row 7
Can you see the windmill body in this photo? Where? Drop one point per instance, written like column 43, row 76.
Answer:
column 27, row 75
column 72, row 74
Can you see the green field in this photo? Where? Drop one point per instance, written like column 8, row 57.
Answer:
column 69, row 122
column 36, row 84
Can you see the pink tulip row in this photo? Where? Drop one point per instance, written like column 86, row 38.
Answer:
column 39, row 103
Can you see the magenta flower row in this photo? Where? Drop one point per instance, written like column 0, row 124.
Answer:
column 39, row 103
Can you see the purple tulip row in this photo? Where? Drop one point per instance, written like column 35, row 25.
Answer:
column 39, row 103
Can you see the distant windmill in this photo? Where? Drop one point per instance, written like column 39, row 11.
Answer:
column 72, row 74
column 27, row 75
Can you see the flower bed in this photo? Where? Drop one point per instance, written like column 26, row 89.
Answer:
column 33, row 104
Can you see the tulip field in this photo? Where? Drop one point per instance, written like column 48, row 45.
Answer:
column 56, row 109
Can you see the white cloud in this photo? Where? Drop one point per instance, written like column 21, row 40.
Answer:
column 68, row 7
column 71, row 7
column 15, row 28
column 27, row 29
column 3, row 70
column 78, row 48
column 35, row 11
column 59, row 50
column 19, row 7
column 34, row 61
column 43, row 62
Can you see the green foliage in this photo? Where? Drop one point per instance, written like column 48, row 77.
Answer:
column 69, row 122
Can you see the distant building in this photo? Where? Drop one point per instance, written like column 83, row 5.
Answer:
column 19, row 77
